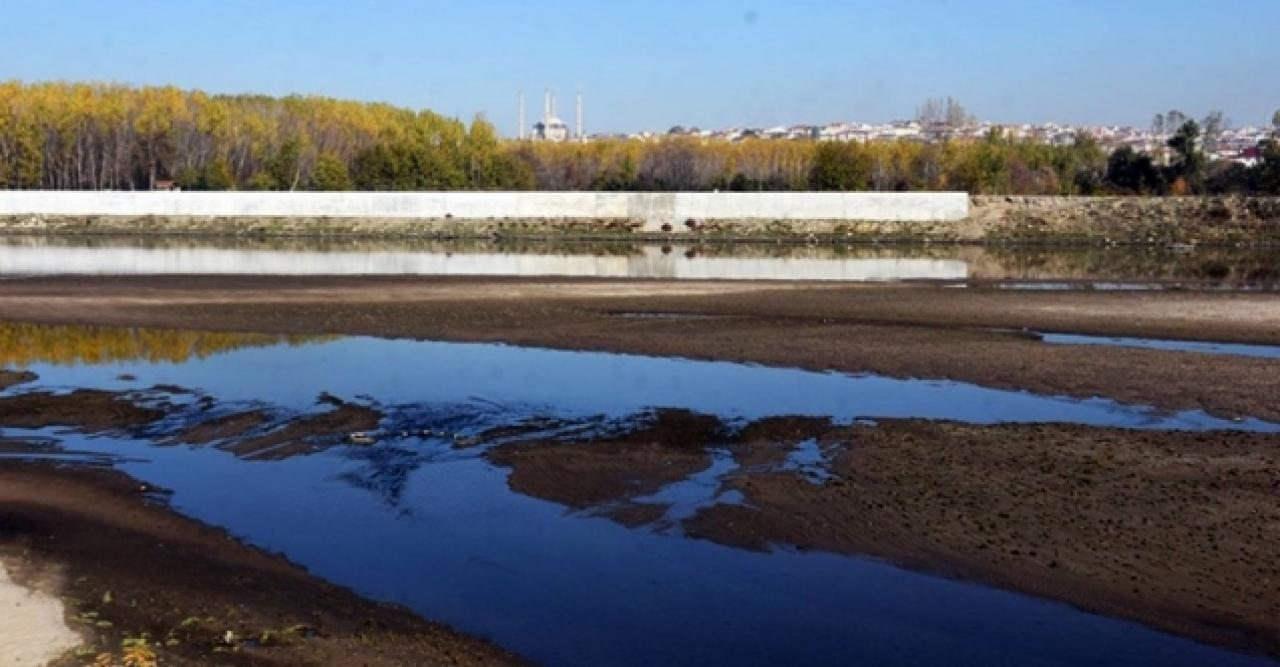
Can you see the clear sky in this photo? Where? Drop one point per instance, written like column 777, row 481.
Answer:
column 658, row 63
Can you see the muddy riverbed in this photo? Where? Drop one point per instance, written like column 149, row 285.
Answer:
column 1052, row 457
column 739, row 510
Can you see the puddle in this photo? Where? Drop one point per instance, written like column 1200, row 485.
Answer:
column 421, row 517
column 658, row 315
column 1234, row 349
column 809, row 459
column 683, row 499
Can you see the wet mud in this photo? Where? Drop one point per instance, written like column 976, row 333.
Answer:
column 1174, row 529
column 12, row 378
column 86, row 409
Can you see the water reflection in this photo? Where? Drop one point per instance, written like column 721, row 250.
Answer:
column 45, row 255
column 23, row 344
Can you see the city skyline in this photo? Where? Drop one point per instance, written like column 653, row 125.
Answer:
column 716, row 64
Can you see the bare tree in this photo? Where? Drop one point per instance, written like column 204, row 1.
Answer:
column 1214, row 124
column 948, row 112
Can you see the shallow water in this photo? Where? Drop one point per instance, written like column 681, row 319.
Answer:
column 1200, row 347
column 1107, row 268
column 418, row 521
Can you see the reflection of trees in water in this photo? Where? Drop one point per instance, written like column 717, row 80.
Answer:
column 22, row 344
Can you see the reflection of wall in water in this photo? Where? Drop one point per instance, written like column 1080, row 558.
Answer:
column 649, row 263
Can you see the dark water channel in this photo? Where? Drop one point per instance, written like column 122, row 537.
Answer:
column 417, row 519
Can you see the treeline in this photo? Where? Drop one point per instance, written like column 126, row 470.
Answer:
column 98, row 136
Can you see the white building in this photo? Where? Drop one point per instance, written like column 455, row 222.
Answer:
column 551, row 128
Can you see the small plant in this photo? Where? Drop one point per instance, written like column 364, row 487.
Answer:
column 137, row 652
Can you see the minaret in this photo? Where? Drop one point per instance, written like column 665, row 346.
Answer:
column 520, row 118
column 546, row 106
column 578, row 113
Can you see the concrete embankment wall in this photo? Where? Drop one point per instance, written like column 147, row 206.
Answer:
column 856, row 216
column 640, row 211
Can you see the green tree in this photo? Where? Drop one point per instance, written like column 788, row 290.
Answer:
column 284, row 166
column 261, row 181
column 1133, row 172
column 218, row 176
column 1190, row 161
column 1267, row 173
column 330, row 174
column 842, row 166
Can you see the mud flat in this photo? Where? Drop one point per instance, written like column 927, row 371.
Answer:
column 1174, row 529
column 127, row 568
column 899, row 330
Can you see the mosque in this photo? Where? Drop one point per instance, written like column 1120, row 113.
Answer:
column 551, row 128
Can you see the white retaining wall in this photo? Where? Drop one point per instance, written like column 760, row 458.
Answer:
column 655, row 209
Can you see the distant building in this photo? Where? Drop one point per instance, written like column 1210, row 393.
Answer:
column 551, row 128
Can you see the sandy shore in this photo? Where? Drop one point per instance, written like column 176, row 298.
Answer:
column 33, row 629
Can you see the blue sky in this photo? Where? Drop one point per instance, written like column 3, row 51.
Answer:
column 657, row 63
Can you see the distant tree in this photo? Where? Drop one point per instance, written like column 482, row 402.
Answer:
column 218, row 176
column 1188, row 166
column 957, row 115
column 260, row 181
column 1214, row 125
column 1267, row 173
column 1229, row 177
column 842, row 166
column 678, row 164
column 330, row 174
column 380, row 167
column 488, row 166
column 1083, row 165
column 928, row 165
column 1132, row 172
column 284, row 166
column 948, row 112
